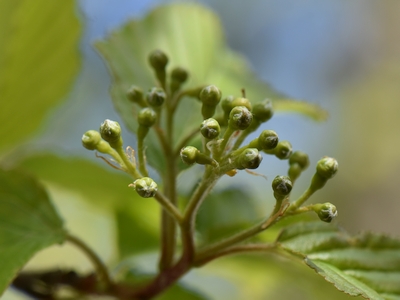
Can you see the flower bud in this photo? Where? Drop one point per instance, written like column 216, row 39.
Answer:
column 282, row 186
column 111, row 132
column 227, row 105
column 156, row 97
column 147, row 117
column 240, row 118
column 179, row 74
column 327, row 167
column 241, row 102
column 158, row 60
column 294, row 172
column 210, row 128
column 91, row 139
column 263, row 111
column 178, row 77
column 210, row 95
column 191, row 155
column 145, row 187
column 194, row 92
column 282, row 151
column 135, row 95
column 188, row 154
column 268, row 140
column 326, row 211
column 300, row 158
column 250, row 158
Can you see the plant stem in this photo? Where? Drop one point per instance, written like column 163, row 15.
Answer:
column 101, row 269
column 303, row 198
column 169, row 207
column 235, row 250
column 241, row 236
column 168, row 224
column 128, row 164
column 161, row 282
column 225, row 139
column 189, row 217
column 141, row 158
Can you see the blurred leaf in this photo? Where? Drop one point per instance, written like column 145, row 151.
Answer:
column 180, row 291
column 107, row 189
column 137, row 218
column 38, row 60
column 225, row 212
column 133, row 236
column 28, row 223
column 265, row 276
column 192, row 38
column 367, row 264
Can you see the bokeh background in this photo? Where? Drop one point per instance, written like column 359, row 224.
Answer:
column 342, row 55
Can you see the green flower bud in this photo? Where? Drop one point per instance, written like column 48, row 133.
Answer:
column 210, row 95
column 189, row 154
column 158, row 60
column 263, row 111
column 240, row 118
column 300, row 158
column 179, row 74
column 241, row 102
column 147, row 117
column 326, row 211
column 294, row 172
column 227, row 105
column 282, row 186
column 178, row 77
column 156, row 97
column 283, row 150
column 111, row 132
column 268, row 140
column 135, row 95
column 194, row 92
column 298, row 162
column 210, row 128
column 249, row 159
column 145, row 187
column 91, row 139
column 327, row 167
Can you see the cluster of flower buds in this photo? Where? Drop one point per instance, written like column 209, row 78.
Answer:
column 104, row 140
column 227, row 122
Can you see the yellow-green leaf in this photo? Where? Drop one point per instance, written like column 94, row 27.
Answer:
column 28, row 223
column 38, row 60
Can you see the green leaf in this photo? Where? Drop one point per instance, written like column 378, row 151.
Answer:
column 39, row 58
column 107, row 190
column 134, row 235
column 28, row 223
column 225, row 212
column 192, row 37
column 367, row 264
